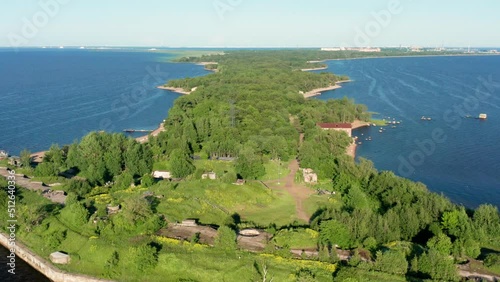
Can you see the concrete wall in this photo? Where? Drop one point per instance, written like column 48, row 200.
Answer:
column 43, row 266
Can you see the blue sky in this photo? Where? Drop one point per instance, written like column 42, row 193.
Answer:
column 250, row 23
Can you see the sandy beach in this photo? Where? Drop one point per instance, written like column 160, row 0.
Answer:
column 318, row 91
column 175, row 89
column 145, row 138
column 38, row 156
column 205, row 64
column 351, row 150
column 314, row 69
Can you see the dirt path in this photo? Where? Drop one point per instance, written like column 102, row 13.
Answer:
column 298, row 192
column 21, row 181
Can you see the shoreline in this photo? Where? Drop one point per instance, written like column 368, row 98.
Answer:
column 315, row 69
column 177, row 90
column 351, row 149
column 205, row 64
column 319, row 91
column 154, row 133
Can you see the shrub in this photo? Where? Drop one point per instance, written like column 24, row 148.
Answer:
column 226, row 239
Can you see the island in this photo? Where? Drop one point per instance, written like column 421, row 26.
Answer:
column 246, row 178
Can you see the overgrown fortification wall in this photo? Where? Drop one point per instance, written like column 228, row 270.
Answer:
column 43, row 266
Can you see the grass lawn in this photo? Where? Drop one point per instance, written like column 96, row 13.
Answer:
column 177, row 260
column 297, row 238
column 280, row 210
column 50, row 179
column 313, row 203
column 275, row 171
column 212, row 201
column 378, row 122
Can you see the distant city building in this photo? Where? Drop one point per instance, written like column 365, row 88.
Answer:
column 369, row 50
column 357, row 49
column 333, row 49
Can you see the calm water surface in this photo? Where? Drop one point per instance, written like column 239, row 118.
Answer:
column 453, row 155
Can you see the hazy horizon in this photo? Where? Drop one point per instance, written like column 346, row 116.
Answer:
column 250, row 24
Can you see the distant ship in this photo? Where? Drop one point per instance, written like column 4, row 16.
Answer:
column 483, row 116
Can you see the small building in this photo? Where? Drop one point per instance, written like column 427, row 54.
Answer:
column 309, row 176
column 15, row 161
column 3, row 154
column 211, row 175
column 159, row 174
column 60, row 258
column 240, row 182
column 346, row 127
column 56, row 196
column 113, row 209
column 226, row 159
column 188, row 223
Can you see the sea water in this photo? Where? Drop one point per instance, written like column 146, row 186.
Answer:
column 452, row 153
column 59, row 95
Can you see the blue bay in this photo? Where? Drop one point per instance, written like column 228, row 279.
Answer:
column 465, row 167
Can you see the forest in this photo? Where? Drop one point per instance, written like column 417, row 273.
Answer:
column 248, row 120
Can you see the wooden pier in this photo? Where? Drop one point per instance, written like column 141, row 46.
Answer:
column 137, row 130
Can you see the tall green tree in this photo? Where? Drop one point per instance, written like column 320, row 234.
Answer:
column 181, row 164
column 334, row 233
column 441, row 243
column 391, row 261
column 249, row 165
column 56, row 156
